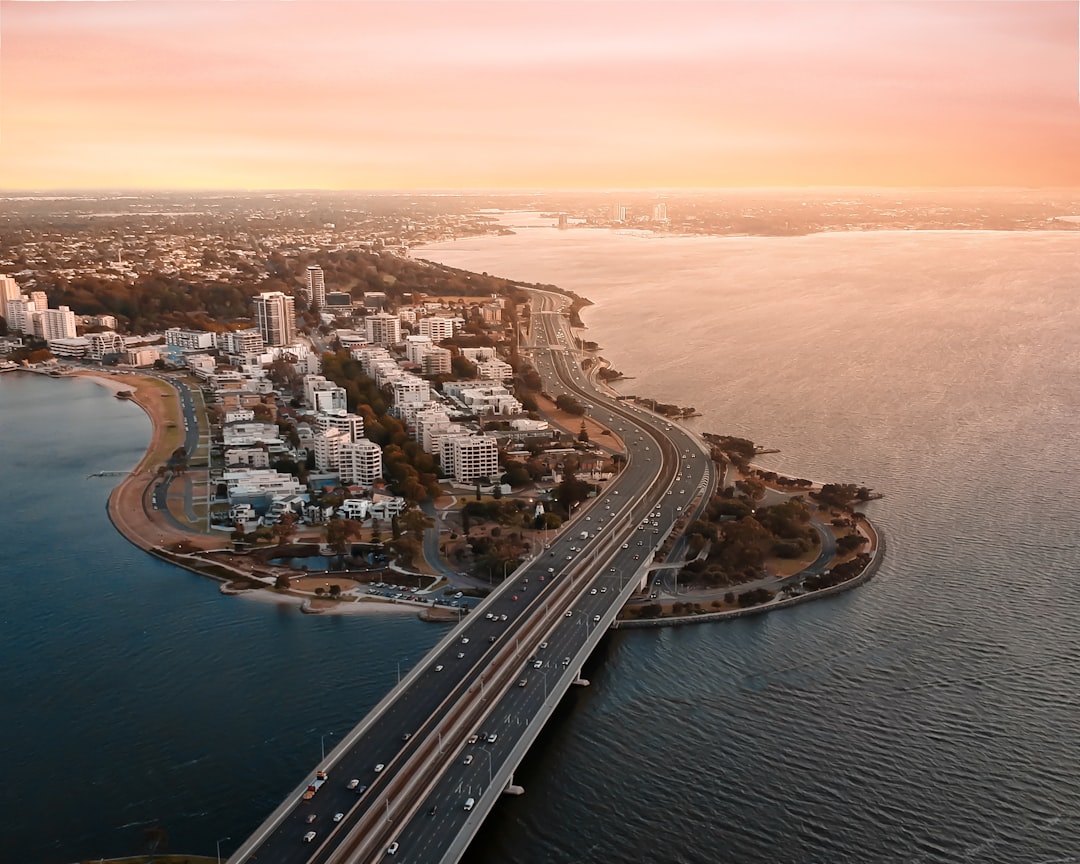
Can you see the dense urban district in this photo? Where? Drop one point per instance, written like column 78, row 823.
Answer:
column 341, row 424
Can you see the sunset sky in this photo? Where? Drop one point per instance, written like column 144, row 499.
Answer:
column 401, row 95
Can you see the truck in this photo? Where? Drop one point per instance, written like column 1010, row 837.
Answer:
column 584, row 535
column 315, row 785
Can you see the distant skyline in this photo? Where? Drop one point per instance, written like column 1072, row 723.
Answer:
column 559, row 95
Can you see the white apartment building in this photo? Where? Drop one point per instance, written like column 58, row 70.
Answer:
column 247, row 457
column 106, row 342
column 436, row 328
column 428, row 424
column 368, row 356
column 410, row 390
column 437, row 361
column 275, row 317
column 329, row 400
column 190, row 340
column 241, row 342
column 383, row 329
column 240, row 415
column 494, row 370
column 477, row 355
column 482, row 398
column 57, row 324
column 249, row 433
column 201, row 365
column 70, row 348
column 142, row 356
column 315, row 384
column 9, row 290
column 258, row 482
column 352, row 425
column 407, row 314
column 386, row 372
column 20, row 315
column 416, row 346
column 328, row 449
column 360, row 463
column 468, row 457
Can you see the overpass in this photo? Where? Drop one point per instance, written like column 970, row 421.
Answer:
column 433, row 756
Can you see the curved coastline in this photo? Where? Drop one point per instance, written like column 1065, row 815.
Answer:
column 153, row 533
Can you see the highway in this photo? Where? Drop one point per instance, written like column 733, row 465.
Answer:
column 502, row 670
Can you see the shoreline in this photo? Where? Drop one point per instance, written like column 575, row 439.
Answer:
column 127, row 511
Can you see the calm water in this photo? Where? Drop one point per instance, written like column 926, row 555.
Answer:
column 134, row 693
column 930, row 716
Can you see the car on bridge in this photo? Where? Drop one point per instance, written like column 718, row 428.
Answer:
column 309, row 837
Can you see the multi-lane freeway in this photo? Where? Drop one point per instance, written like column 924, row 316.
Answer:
column 431, row 759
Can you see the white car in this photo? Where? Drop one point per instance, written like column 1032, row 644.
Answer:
column 310, row 836
column 392, row 848
column 338, row 817
column 379, row 767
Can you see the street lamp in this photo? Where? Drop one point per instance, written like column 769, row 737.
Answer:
column 322, row 744
column 219, row 848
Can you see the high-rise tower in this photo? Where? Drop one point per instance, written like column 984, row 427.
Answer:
column 275, row 316
column 316, row 287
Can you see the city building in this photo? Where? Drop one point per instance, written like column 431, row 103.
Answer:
column 248, row 341
column 328, row 449
column 191, row 340
column 360, row 463
column 316, row 288
column 467, row 458
column 9, row 290
column 142, row 356
column 339, row 303
column 415, row 347
column 275, row 317
column 352, row 425
column 247, row 457
column 20, row 315
column 494, row 370
column 57, row 324
column 383, row 328
column 410, row 390
column 436, row 328
column 101, row 344
column 659, row 212
column 69, row 348
column 437, row 361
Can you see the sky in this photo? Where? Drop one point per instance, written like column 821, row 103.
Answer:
column 535, row 95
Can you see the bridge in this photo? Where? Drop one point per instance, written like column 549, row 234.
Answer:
column 417, row 776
